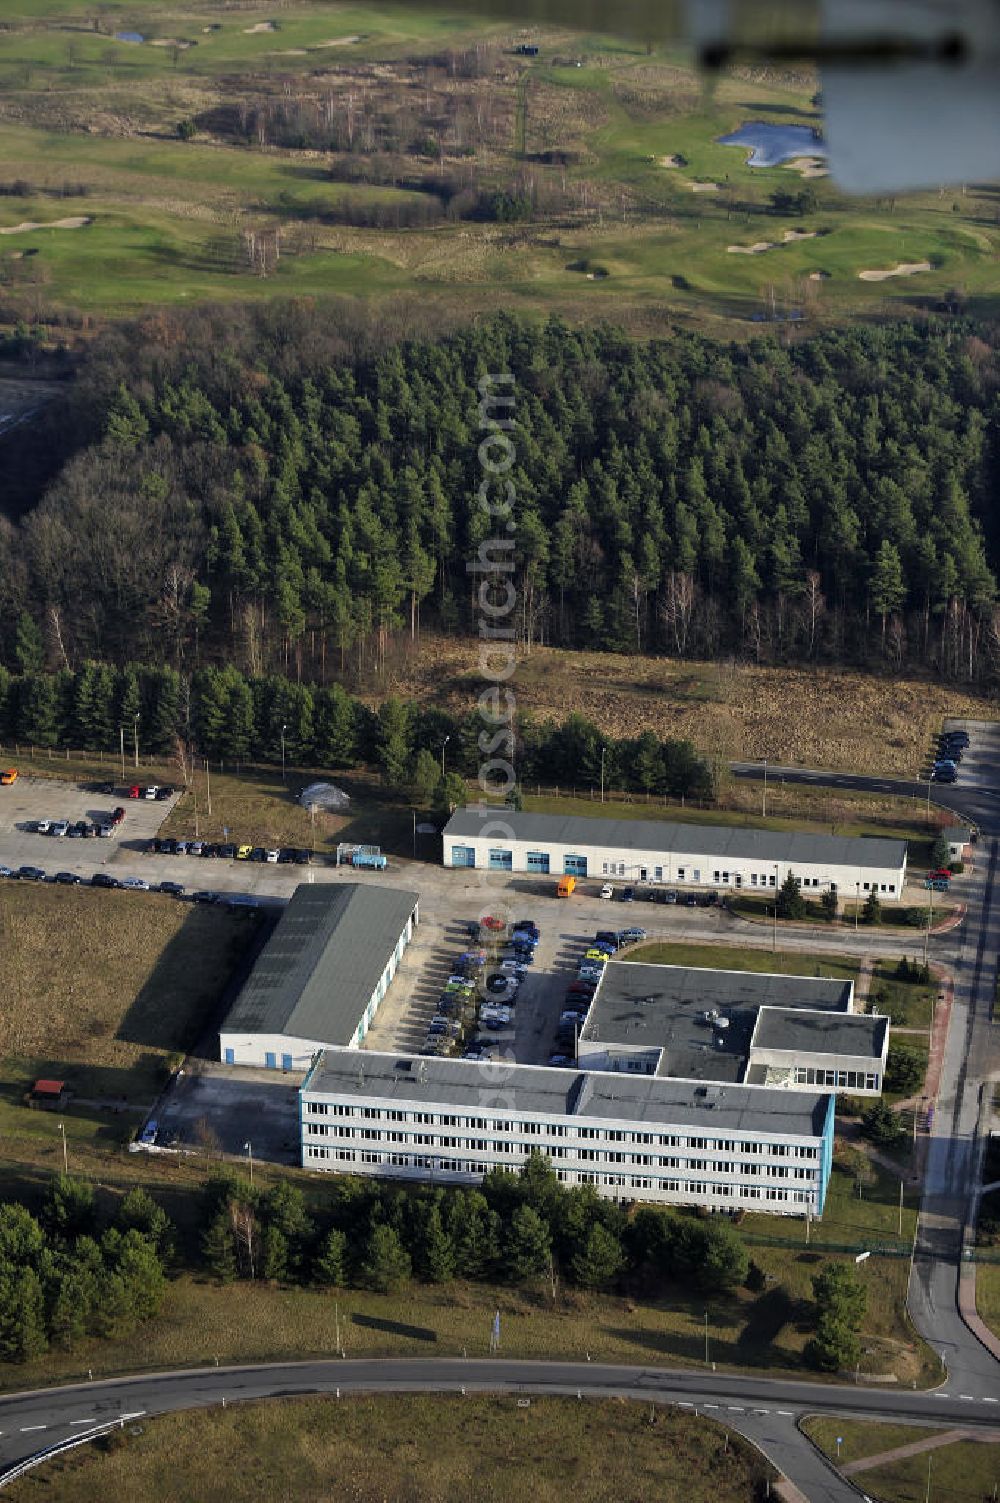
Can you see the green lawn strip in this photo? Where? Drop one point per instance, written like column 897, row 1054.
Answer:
column 915, row 1043
column 850, row 1219
column 760, row 910
column 911, row 1004
column 733, row 958
column 423, row 1448
column 988, row 1293
column 861, row 1437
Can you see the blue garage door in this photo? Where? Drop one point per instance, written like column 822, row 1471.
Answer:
column 230, row 1056
column 463, row 855
column 286, row 1061
column 538, row 861
column 575, row 866
column 501, row 861
column 270, row 1060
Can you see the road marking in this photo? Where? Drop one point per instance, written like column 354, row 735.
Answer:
column 26, row 1428
column 135, row 1414
column 83, row 1422
column 710, row 1406
column 762, row 1411
column 683, row 1404
column 969, row 1396
column 735, row 1408
column 786, row 1412
column 991, row 1401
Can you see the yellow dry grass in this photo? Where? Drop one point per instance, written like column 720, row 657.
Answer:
column 823, row 717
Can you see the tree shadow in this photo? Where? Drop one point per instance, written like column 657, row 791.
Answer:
column 395, row 1327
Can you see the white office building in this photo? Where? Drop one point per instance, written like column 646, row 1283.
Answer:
column 672, row 853
column 666, row 1141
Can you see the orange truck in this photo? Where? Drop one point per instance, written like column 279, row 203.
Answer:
column 567, row 886
column 8, row 776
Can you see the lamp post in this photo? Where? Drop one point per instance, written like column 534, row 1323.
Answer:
column 249, row 1153
column 284, row 728
column 774, row 930
column 706, row 1338
column 121, row 743
column 135, row 737
column 857, row 904
column 444, row 743
column 930, row 920
column 763, row 807
column 603, row 750
column 62, row 1129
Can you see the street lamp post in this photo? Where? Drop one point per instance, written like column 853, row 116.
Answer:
column 249, row 1152
column 706, row 1338
column 135, row 737
column 857, row 904
column 121, row 743
column 284, row 728
column 603, row 750
column 763, row 808
column 444, row 743
column 930, row 921
column 774, row 930
column 62, row 1129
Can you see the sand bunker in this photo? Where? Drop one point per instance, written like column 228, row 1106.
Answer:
column 252, row 31
column 750, row 250
column 170, row 42
column 819, row 276
column 791, row 235
column 809, row 166
column 904, row 269
column 292, row 52
column 670, row 162
column 75, row 223
column 339, row 42
column 704, row 187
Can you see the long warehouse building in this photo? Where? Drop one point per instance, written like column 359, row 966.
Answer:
column 675, row 1142
column 672, row 853
column 321, row 976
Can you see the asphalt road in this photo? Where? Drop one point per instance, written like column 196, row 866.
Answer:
column 764, row 1409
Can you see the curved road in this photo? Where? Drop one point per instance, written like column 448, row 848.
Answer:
column 763, row 1409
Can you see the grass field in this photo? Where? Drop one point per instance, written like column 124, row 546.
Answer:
column 988, row 1294
column 839, row 719
column 732, row 958
column 166, row 215
column 418, row 1448
column 959, row 1471
column 100, row 988
column 910, row 1004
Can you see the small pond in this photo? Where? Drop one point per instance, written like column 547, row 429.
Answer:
column 129, row 36
column 770, row 145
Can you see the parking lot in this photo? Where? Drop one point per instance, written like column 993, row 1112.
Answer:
column 32, row 799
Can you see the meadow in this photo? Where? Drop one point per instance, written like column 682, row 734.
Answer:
column 617, row 144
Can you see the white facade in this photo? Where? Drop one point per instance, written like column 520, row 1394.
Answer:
column 689, row 855
column 358, row 1127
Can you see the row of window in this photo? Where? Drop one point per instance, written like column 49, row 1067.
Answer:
column 513, row 1150
column 508, row 1127
column 695, row 1190
column 849, row 1080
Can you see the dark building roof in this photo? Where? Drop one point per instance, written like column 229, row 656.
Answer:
column 663, row 1007
column 316, row 974
column 803, row 1033
column 392, row 1078
column 658, row 837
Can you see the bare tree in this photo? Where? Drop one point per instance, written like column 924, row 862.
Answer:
column 677, row 610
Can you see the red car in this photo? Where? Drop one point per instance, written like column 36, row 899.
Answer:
column 118, row 815
column 491, row 922
column 941, row 875
column 135, row 791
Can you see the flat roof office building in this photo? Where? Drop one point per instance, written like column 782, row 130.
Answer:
column 680, row 1142
column 673, row 853
column 321, row 976
column 741, row 1027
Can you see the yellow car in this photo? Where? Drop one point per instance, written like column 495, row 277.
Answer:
column 597, row 955
column 243, row 852
column 8, row 776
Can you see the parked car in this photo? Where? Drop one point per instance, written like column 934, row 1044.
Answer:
column 168, row 847
column 84, row 828
column 209, row 850
column 668, row 895
column 628, row 894
column 607, row 891
column 271, row 856
column 43, row 826
column 180, row 847
column 597, row 955
column 59, row 827
column 286, row 856
column 560, row 1061
column 105, row 831
column 148, row 1135
column 608, row 937
column 226, row 851
column 30, row 874
column 944, row 872
column 258, row 853
column 631, row 936
column 117, row 815
column 7, row 871
column 69, row 879
column 151, row 791
column 173, row 888
column 944, row 775
column 204, row 896
column 243, row 852
column 135, row 791
column 102, row 879
column 164, row 791
column 8, row 777
column 302, row 856
column 938, row 884
column 493, row 923
column 195, row 847
column 135, row 884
